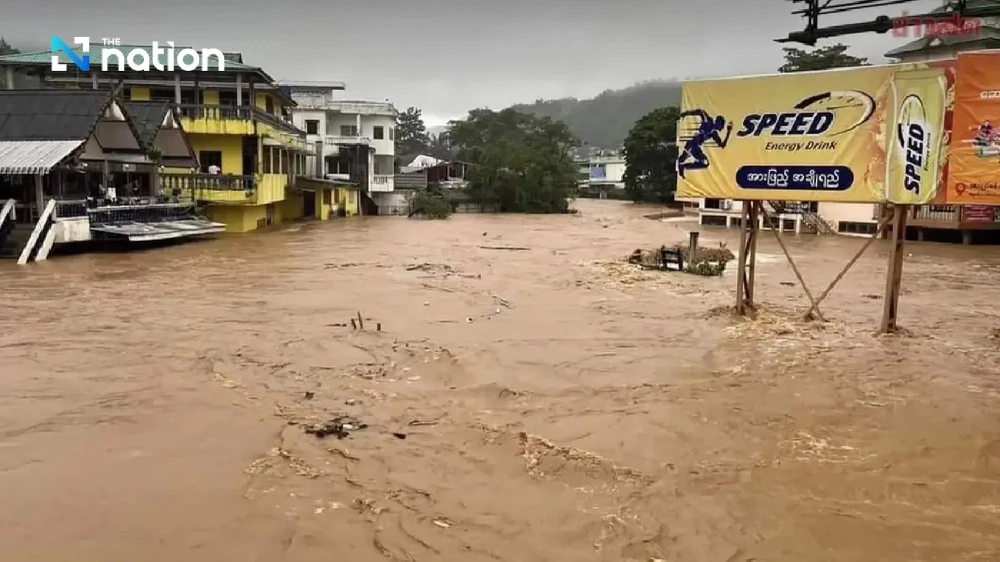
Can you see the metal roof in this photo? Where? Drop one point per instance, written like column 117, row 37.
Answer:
column 50, row 114
column 34, row 156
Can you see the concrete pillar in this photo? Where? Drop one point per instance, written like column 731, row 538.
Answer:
column 239, row 90
column 920, row 235
column 358, row 121
column 177, row 88
column 9, row 79
column 95, row 82
column 39, row 194
column 966, row 237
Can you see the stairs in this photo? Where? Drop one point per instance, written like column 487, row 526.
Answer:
column 811, row 219
column 817, row 223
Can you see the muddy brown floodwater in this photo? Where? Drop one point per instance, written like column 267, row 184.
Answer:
column 550, row 403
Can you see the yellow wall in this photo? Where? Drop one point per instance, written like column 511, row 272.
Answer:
column 271, row 188
column 243, row 218
column 216, row 126
column 139, row 94
column 231, row 147
column 292, row 207
column 349, row 200
column 210, row 97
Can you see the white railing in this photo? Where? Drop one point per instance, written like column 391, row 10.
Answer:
column 382, row 182
column 43, row 221
column 335, row 140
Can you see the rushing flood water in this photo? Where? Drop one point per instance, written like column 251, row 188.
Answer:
column 550, row 403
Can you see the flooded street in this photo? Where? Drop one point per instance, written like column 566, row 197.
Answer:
column 543, row 404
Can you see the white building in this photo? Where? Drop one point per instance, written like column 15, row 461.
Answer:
column 355, row 140
column 607, row 171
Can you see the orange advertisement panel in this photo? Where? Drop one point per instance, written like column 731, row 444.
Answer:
column 973, row 175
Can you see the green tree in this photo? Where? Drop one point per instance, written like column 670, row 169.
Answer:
column 822, row 58
column 439, row 146
column 519, row 161
column 651, row 157
column 411, row 133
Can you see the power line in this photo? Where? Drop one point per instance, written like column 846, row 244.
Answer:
column 954, row 10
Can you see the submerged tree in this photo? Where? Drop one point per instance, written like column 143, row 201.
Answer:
column 520, row 162
column 651, row 157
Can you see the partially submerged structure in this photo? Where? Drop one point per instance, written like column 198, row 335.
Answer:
column 79, row 165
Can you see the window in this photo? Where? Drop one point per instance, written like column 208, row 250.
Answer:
column 348, row 130
column 269, row 105
column 209, row 158
column 378, row 133
column 266, row 157
column 392, row 133
column 312, row 126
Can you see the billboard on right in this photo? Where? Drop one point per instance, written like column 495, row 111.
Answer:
column 974, row 155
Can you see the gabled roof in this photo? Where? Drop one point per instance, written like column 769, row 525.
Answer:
column 148, row 118
column 50, row 114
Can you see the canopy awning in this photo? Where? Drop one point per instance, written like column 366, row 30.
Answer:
column 34, row 157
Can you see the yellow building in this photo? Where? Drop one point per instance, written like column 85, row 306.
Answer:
column 238, row 121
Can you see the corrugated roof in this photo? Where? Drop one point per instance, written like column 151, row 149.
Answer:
column 34, row 157
column 50, row 114
column 147, row 117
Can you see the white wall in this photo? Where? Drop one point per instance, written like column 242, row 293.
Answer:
column 368, row 124
column 847, row 212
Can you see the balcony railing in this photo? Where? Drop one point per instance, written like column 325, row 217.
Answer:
column 237, row 113
column 955, row 214
column 156, row 212
column 171, row 183
column 336, row 139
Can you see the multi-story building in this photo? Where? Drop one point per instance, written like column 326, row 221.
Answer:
column 354, row 140
column 237, row 119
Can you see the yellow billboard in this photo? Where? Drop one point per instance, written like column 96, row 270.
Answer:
column 818, row 136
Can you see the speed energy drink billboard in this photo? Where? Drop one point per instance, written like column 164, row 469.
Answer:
column 861, row 135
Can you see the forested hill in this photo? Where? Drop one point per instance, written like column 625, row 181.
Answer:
column 604, row 121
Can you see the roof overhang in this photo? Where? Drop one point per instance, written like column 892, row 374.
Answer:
column 35, row 157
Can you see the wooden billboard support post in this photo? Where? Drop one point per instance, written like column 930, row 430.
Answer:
column 749, row 228
column 894, row 275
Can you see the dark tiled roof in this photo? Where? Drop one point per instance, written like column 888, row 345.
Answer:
column 147, row 117
column 50, row 114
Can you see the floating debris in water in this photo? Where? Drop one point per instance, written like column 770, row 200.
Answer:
column 341, row 426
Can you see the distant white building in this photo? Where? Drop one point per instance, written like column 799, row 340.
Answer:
column 355, row 140
column 606, row 172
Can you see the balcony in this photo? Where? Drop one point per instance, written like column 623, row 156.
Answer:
column 238, row 120
column 382, row 182
column 335, row 140
column 954, row 217
column 214, row 188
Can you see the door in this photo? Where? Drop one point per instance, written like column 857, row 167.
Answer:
column 309, row 205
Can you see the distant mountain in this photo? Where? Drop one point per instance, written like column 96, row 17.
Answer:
column 604, row 121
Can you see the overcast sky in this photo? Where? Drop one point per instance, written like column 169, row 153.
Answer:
column 448, row 56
